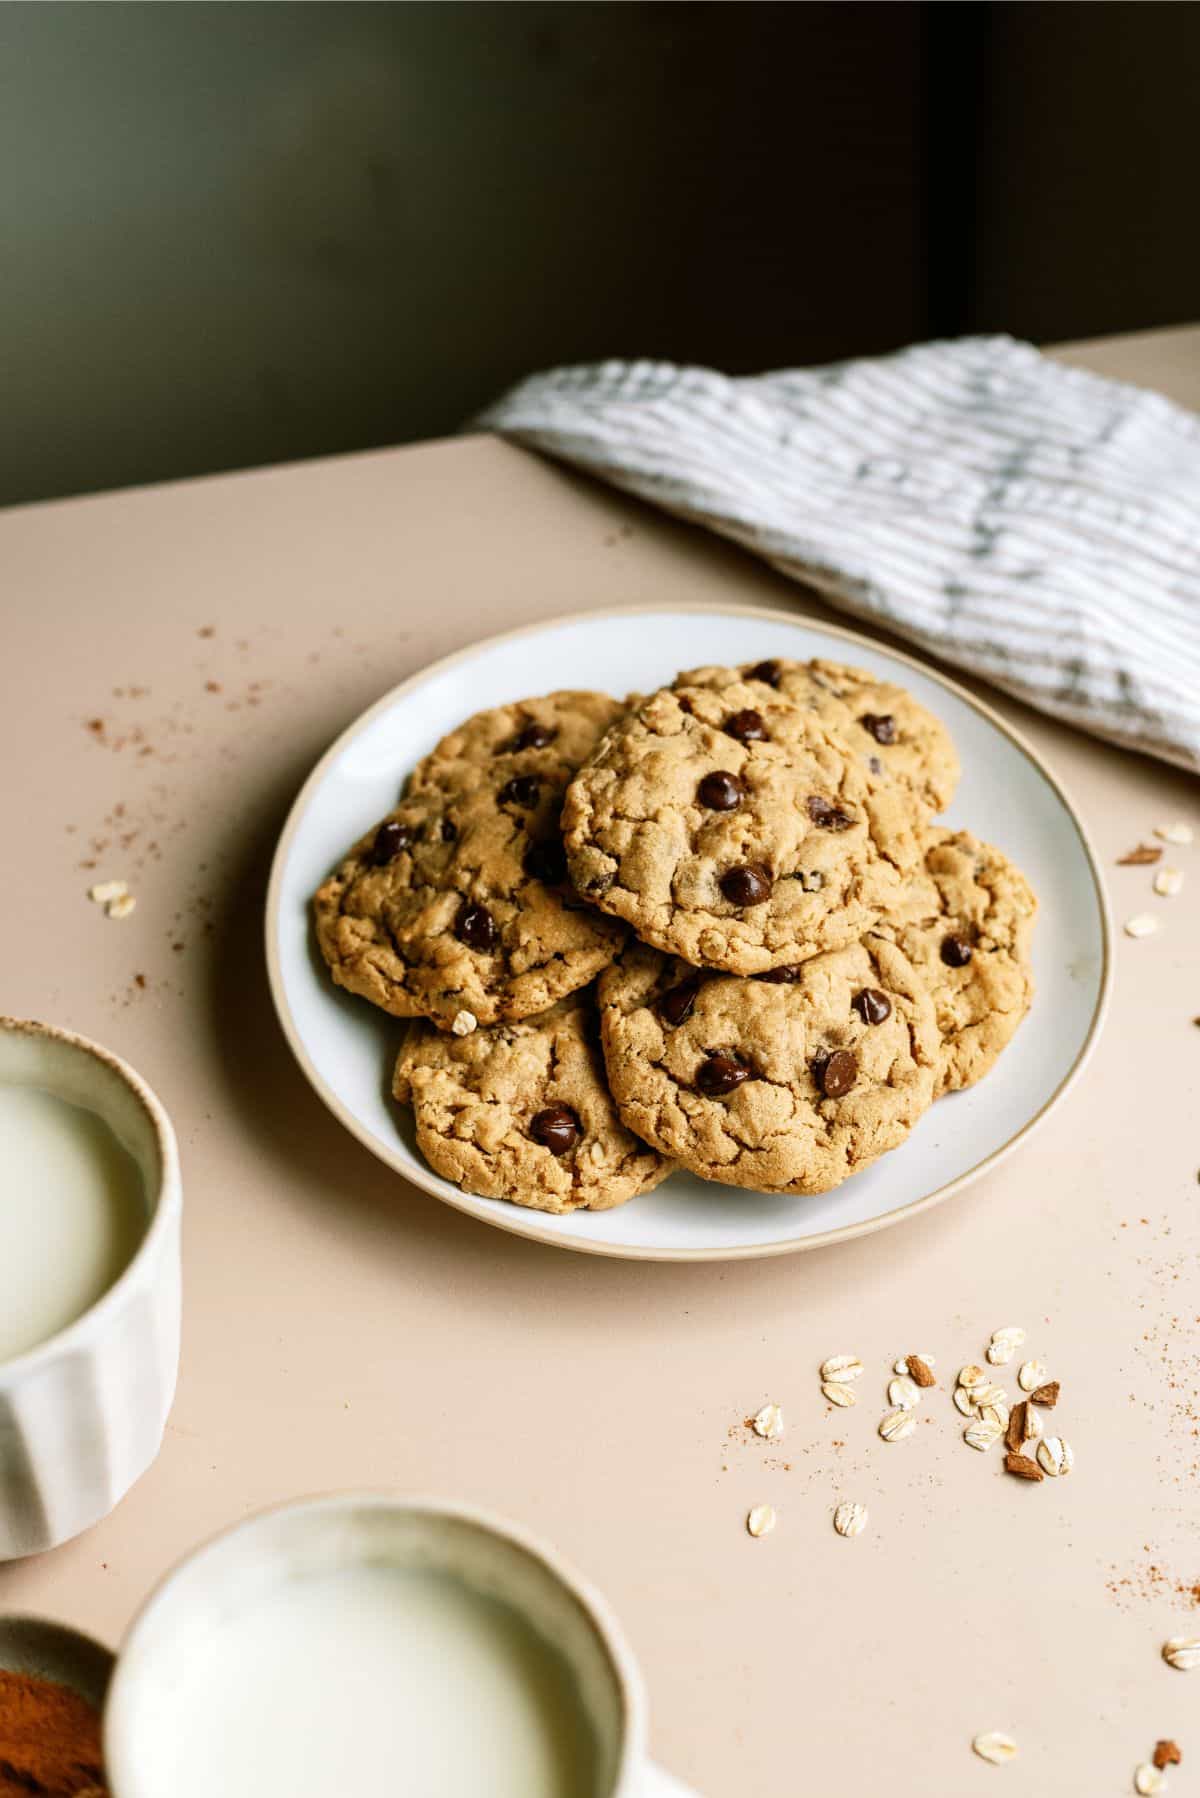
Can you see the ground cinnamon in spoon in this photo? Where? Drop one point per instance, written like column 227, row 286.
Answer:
column 49, row 1741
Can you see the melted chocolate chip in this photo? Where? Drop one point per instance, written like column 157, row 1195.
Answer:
column 827, row 816
column 783, row 976
column 522, row 789
column 766, row 671
column 748, row 885
column 871, row 1005
column 557, row 1128
column 676, row 1004
column 719, row 1075
column 534, row 736
column 881, row 725
column 546, row 862
column 475, row 926
column 747, row 727
column 834, row 1073
column 390, row 839
column 721, row 792
column 449, row 831
column 955, row 952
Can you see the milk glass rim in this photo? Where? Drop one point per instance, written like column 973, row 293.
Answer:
column 165, row 1199
column 632, row 1751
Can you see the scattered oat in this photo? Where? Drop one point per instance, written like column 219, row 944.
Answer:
column 105, row 891
column 769, row 1422
column 1174, row 833
column 999, row 1414
column 1004, row 1341
column 894, row 1426
column 1031, row 1375
column 1046, row 1395
column 1141, row 857
column 850, row 1519
column 963, row 1401
column 1035, row 1429
column 1055, row 1456
column 988, row 1394
column 1148, row 1780
column 1022, row 1467
column 1168, row 882
column 120, row 908
column 903, row 1393
column 837, row 1394
column 841, row 1368
column 1182, row 1653
column 996, row 1747
column 901, row 1364
column 981, row 1433
column 971, row 1376
column 1141, row 924
column 761, row 1520
column 464, row 1022
column 1167, row 1754
column 920, row 1371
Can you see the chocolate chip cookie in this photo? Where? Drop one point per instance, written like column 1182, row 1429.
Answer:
column 545, row 739
column 522, row 1112
column 456, row 907
column 882, row 724
column 785, row 1083
column 728, row 826
column 966, row 924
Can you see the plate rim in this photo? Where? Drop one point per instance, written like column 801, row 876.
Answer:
column 517, row 1221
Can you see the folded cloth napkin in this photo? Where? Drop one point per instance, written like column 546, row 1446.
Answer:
column 1034, row 524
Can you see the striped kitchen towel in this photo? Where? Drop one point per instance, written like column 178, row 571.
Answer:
column 1037, row 525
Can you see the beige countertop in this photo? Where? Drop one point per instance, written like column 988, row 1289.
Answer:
column 174, row 661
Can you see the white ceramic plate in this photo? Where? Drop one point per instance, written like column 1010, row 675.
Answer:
column 1006, row 796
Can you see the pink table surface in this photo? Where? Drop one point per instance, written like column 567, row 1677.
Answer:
column 174, row 661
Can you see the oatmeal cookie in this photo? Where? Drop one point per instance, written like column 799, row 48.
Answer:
column 882, row 724
column 966, row 925
column 789, row 1082
column 457, row 905
column 523, row 1112
column 726, row 825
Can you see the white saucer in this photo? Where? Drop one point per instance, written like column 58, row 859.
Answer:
column 1007, row 796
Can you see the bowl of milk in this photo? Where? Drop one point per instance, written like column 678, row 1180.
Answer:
column 363, row 1643
column 90, row 1207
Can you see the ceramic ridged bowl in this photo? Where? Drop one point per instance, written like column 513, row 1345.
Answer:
column 82, row 1414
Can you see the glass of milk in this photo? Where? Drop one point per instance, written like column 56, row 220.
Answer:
column 361, row 1643
column 90, row 1206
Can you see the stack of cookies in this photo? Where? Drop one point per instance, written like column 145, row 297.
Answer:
column 714, row 928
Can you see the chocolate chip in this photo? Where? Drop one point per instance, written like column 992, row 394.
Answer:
column 719, row 1075
column 449, row 831
column 534, row 736
column 827, row 816
column 955, row 952
column 749, row 885
column 881, row 725
column 871, row 1005
column 557, row 1128
column 874, row 764
column 783, row 976
column 721, row 792
column 390, row 839
column 747, row 727
column 835, row 1073
column 676, row 1004
column 766, row 671
column 546, row 862
column 522, row 789
column 475, row 926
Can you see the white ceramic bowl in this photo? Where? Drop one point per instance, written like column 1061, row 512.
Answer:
column 182, row 1619
column 82, row 1414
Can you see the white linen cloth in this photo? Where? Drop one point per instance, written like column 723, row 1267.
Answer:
column 1035, row 524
